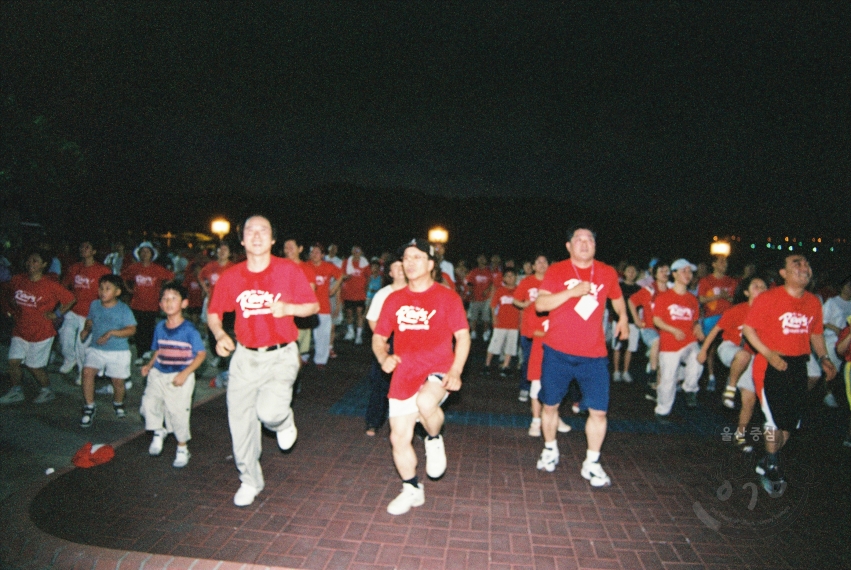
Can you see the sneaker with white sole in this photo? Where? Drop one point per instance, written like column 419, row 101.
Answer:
column 350, row 334
column 245, row 495
column 548, row 460
column 627, row 377
column 487, row 335
column 107, row 390
column 13, row 396
column 535, row 429
column 593, row 472
column 44, row 396
column 435, row 457
column 156, row 446
column 563, row 427
column 617, row 377
column 88, row 417
column 67, row 367
column 120, row 412
column 181, row 458
column 830, row 400
column 409, row 497
column 287, row 437
column 523, row 396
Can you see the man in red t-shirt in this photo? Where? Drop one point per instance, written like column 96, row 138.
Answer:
column 574, row 292
column 353, row 292
column 144, row 280
column 676, row 314
column 82, row 279
column 423, row 318
column 266, row 292
column 783, row 324
column 481, row 280
column 325, row 273
column 36, row 301
column 715, row 293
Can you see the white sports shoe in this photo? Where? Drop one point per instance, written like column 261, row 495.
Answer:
column 13, row 396
column 617, row 377
column 487, row 336
column 548, row 460
column 593, row 471
column 473, row 335
column 409, row 497
column 535, row 429
column 627, row 377
column 67, row 367
column 245, row 495
column 350, row 334
column 44, row 396
column 435, row 457
column 563, row 427
column 181, row 458
column 287, row 437
column 156, row 446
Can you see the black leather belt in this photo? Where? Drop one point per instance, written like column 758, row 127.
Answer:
column 267, row 348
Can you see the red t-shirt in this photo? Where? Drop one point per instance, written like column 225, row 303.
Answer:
column 784, row 323
column 464, row 290
column 715, row 286
column 481, row 280
column 731, row 322
column 679, row 311
column 644, row 299
column 570, row 332
column 423, row 325
column 843, row 334
column 354, row 288
column 528, row 291
column 194, row 293
column 83, row 281
column 147, row 282
column 211, row 273
column 251, row 294
column 32, row 299
column 507, row 315
column 324, row 272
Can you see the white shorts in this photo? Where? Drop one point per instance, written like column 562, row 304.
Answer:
column 479, row 311
column 31, row 354
column 398, row 408
column 632, row 341
column 110, row 363
column 504, row 341
column 649, row 335
column 726, row 351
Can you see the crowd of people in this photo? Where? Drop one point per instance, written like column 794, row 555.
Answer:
column 569, row 329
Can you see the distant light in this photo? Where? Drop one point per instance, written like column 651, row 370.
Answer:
column 800, row 243
column 819, row 240
column 719, row 248
column 768, row 245
column 815, row 249
column 220, row 227
column 831, row 249
column 753, row 246
column 438, row 234
column 786, row 238
column 790, row 248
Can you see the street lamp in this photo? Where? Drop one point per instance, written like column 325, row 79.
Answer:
column 720, row 247
column 220, row 227
column 438, row 234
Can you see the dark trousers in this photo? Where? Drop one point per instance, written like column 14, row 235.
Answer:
column 146, row 321
column 379, row 385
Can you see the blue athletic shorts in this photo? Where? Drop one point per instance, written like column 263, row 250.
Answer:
column 592, row 374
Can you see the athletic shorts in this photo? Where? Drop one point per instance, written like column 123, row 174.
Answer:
column 592, row 375
column 726, row 352
column 110, row 363
column 398, row 408
column 632, row 340
column 708, row 323
column 504, row 341
column 649, row 335
column 782, row 394
column 31, row 354
column 353, row 305
column 479, row 311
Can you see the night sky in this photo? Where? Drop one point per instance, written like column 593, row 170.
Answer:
column 734, row 116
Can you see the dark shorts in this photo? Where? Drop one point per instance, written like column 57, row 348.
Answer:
column 785, row 393
column 592, row 374
column 352, row 305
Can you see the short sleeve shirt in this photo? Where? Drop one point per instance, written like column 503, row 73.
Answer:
column 423, row 325
column 528, row 291
column 251, row 296
column 176, row 348
column 715, row 286
column 147, row 282
column 481, row 280
column 325, row 272
column 354, row 288
column 507, row 315
column 732, row 321
column 574, row 331
column 109, row 319
column 32, row 299
column 679, row 311
column 211, row 272
column 784, row 323
column 83, row 281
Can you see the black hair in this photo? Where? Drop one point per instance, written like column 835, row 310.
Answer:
column 573, row 229
column 659, row 265
column 175, row 286
column 744, row 285
column 509, row 270
column 115, row 280
column 265, row 217
column 43, row 253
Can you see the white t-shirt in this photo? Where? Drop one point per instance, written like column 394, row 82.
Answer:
column 836, row 311
column 378, row 302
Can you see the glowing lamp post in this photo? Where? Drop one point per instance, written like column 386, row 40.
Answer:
column 220, row 227
column 438, row 235
column 720, row 248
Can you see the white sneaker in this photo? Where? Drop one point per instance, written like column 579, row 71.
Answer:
column 156, row 446
column 523, row 396
column 617, row 377
column 287, row 437
column 245, row 495
column 409, row 497
column 67, row 367
column 535, row 429
column 44, row 396
column 13, row 396
column 139, row 361
column 473, row 335
column 350, row 334
column 627, row 377
column 487, row 336
column 181, row 458
column 128, row 384
column 830, row 401
column 105, row 390
column 359, row 339
column 563, row 427
column 574, row 407
column 593, row 471
column 548, row 460
column 435, row 457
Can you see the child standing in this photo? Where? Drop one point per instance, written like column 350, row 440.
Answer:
column 178, row 352
column 506, row 318
column 111, row 323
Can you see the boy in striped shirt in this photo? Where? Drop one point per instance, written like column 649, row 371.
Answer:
column 178, row 352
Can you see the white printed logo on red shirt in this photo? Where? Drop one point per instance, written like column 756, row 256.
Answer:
column 253, row 302
column 144, row 281
column 410, row 318
column 680, row 313
column 83, row 282
column 506, row 300
column 533, row 294
column 795, row 323
column 24, row 299
column 320, row 280
column 571, row 283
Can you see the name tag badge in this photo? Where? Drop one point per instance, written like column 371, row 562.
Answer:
column 586, row 306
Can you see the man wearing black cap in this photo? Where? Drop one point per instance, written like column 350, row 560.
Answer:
column 423, row 317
